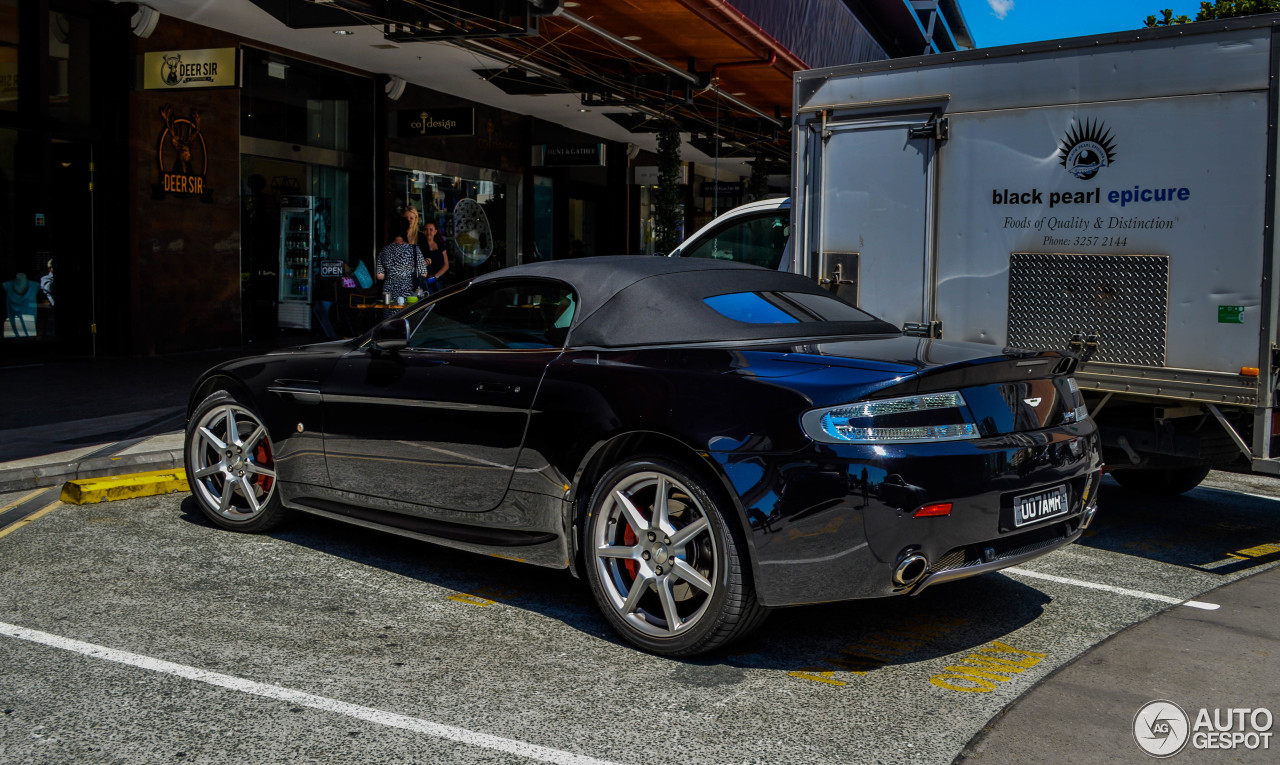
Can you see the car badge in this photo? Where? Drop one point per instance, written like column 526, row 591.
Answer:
column 1033, row 402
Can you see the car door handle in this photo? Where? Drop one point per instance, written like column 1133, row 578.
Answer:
column 497, row 388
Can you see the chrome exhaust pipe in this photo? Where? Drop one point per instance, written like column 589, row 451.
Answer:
column 1089, row 512
column 910, row 570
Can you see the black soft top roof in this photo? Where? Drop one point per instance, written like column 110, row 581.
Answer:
column 630, row 300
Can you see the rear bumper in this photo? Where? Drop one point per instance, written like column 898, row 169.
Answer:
column 945, row 571
column 835, row 522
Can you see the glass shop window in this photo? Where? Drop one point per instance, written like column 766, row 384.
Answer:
column 9, row 55
column 287, row 100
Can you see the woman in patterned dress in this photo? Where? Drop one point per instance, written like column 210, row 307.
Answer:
column 398, row 263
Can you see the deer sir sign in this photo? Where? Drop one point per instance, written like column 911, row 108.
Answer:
column 181, row 156
column 208, row 68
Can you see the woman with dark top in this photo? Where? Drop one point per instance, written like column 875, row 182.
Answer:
column 398, row 263
column 437, row 253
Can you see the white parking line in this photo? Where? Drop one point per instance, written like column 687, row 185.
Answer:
column 1235, row 491
column 390, row 719
column 1108, row 588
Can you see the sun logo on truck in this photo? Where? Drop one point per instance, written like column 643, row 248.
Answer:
column 1087, row 149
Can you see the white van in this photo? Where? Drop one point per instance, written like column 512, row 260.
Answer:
column 758, row 233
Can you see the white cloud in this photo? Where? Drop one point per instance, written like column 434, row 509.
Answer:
column 1000, row 8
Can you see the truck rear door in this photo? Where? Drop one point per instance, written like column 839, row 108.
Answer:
column 870, row 193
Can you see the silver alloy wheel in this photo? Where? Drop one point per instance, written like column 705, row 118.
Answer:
column 232, row 463
column 655, row 553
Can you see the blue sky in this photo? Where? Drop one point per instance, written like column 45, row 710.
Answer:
column 1005, row 22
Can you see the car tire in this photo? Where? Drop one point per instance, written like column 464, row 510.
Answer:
column 670, row 576
column 1163, row 482
column 231, row 465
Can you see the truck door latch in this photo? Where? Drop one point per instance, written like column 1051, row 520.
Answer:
column 836, row 278
column 937, row 129
column 929, row 329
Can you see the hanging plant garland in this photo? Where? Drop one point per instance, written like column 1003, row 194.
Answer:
column 666, row 209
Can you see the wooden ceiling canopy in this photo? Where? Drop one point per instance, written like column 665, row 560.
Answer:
column 700, row 63
column 699, row 36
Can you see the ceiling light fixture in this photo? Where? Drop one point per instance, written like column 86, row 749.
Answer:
column 633, row 38
column 343, row 32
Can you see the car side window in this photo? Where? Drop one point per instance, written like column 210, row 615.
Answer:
column 497, row 316
column 757, row 239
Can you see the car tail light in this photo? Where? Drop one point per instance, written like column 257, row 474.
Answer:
column 1081, row 412
column 910, row 419
column 933, row 511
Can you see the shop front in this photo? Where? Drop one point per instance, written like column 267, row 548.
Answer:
column 56, row 138
column 461, row 167
column 305, row 147
column 476, row 212
column 580, row 195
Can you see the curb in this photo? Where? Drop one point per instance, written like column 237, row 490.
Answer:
column 38, row 476
column 131, row 486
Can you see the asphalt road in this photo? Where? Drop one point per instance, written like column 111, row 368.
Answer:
column 136, row 632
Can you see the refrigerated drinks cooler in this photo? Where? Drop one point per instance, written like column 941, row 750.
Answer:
column 297, row 228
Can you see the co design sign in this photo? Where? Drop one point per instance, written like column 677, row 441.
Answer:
column 419, row 123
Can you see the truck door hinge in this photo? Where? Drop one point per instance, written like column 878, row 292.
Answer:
column 929, row 329
column 938, row 129
column 1085, row 345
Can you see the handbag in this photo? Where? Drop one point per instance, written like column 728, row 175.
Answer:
column 362, row 275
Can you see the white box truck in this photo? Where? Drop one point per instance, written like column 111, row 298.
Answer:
column 1111, row 194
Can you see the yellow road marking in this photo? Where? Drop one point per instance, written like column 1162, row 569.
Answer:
column 49, row 508
column 981, row 670
column 879, row 648
column 149, row 484
column 486, row 596
column 17, row 502
column 1257, row 552
column 473, row 600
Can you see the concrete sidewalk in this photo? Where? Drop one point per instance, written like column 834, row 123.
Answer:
column 1087, row 711
column 69, row 419
column 132, row 455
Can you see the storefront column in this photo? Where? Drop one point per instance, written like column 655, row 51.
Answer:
column 528, row 211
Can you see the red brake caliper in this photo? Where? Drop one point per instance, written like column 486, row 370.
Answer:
column 629, row 539
column 262, row 455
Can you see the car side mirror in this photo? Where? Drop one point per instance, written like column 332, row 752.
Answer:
column 391, row 335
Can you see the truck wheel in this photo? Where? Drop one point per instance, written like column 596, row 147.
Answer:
column 1161, row 483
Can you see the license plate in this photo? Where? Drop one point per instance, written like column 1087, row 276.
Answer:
column 1033, row 508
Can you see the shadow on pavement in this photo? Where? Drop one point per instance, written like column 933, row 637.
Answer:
column 1208, row 529
column 853, row 636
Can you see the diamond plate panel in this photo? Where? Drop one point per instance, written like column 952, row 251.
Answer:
column 1124, row 299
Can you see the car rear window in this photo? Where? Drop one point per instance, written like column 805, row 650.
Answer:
column 784, row 307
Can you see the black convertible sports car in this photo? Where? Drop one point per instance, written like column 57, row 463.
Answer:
column 702, row 440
